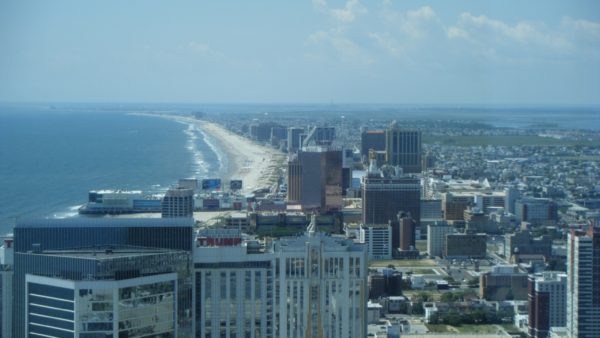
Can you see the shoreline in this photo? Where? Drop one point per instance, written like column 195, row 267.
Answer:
column 255, row 164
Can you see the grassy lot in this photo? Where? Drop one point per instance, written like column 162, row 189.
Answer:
column 404, row 263
column 502, row 140
column 513, row 330
column 421, row 245
column 471, row 329
column 422, row 271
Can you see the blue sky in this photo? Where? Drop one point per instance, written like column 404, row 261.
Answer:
column 320, row 51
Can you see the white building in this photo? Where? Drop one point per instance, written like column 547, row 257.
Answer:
column 436, row 238
column 378, row 238
column 234, row 292
column 308, row 286
column 321, row 286
column 555, row 285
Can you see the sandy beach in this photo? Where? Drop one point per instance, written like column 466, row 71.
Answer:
column 256, row 165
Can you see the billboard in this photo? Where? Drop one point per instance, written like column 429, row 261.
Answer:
column 235, row 184
column 211, row 184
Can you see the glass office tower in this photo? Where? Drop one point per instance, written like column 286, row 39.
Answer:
column 35, row 238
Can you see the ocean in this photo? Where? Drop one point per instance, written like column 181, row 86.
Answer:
column 50, row 158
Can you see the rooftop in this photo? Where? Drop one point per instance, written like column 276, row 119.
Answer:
column 81, row 222
column 106, row 252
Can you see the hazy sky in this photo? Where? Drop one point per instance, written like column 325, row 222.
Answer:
column 321, row 51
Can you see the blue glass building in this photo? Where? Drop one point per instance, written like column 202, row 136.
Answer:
column 34, row 238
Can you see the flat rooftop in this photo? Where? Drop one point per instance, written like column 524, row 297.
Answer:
column 104, row 222
column 104, row 253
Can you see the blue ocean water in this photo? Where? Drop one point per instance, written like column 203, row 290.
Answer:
column 51, row 158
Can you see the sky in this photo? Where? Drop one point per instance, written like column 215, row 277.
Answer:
column 321, row 51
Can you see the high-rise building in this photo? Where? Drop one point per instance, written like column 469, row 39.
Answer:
column 583, row 283
column 105, row 291
column 371, row 139
column 403, row 148
column 47, row 235
column 293, row 139
column 385, row 195
column 6, row 286
column 315, row 179
column 378, row 238
column 436, row 238
column 407, row 232
column 321, row 287
column 234, row 291
column 178, row 202
column 313, row 285
column 512, row 194
column 547, row 299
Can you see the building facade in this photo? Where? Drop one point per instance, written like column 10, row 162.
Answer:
column 293, row 139
column 378, row 238
column 403, row 148
column 6, row 286
column 583, row 283
column 384, row 197
column 536, row 210
column 116, row 292
column 436, row 238
column 504, row 282
column 315, row 179
column 547, row 298
column 178, row 202
column 465, row 246
column 234, row 292
column 371, row 139
column 321, row 287
column 46, row 235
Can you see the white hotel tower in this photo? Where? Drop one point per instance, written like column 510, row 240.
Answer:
column 307, row 286
column 321, row 286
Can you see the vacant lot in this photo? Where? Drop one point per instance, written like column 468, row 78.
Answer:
column 471, row 329
column 404, row 263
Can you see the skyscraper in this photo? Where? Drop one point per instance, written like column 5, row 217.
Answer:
column 403, row 148
column 407, row 232
column 583, row 283
column 547, row 293
column 371, row 139
column 107, row 292
column 293, row 139
column 6, row 287
column 385, row 194
column 436, row 238
column 307, row 286
column 64, row 234
column 321, row 287
column 315, row 179
column 234, row 292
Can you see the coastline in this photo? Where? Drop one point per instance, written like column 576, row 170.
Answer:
column 255, row 164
